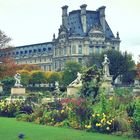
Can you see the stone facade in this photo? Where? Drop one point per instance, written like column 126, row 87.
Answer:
column 82, row 33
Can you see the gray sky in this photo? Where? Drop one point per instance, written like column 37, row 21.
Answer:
column 35, row 21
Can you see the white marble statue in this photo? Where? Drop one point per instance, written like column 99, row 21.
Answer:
column 105, row 64
column 77, row 81
column 18, row 79
column 56, row 85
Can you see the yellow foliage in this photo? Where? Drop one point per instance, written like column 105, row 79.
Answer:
column 24, row 72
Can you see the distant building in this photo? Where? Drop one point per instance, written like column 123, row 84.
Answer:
column 82, row 33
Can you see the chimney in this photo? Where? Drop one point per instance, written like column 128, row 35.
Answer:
column 83, row 17
column 64, row 16
column 102, row 16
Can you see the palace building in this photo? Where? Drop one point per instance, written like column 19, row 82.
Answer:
column 82, row 33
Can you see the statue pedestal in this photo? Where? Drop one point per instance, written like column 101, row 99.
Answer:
column 107, row 85
column 1, row 88
column 136, row 91
column 18, row 92
column 72, row 90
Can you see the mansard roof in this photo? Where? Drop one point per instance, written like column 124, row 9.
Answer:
column 37, row 44
column 93, row 20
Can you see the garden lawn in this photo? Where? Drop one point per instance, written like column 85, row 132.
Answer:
column 10, row 128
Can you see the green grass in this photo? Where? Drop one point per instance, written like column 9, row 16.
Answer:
column 10, row 128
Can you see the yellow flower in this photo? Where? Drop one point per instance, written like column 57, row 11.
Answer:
column 93, row 115
column 108, row 123
column 88, row 126
column 111, row 98
column 107, row 128
column 98, row 115
column 98, row 124
column 103, row 120
column 62, row 111
column 104, row 115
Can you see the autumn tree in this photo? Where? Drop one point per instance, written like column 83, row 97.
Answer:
column 7, row 68
column 138, row 70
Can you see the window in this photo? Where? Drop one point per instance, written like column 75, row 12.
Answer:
column 80, row 49
column 30, row 51
column 90, row 49
column 49, row 49
column 65, row 50
column 25, row 52
column 34, row 50
column 44, row 49
column 73, row 49
column 80, row 60
column 21, row 52
column 39, row 50
column 97, row 50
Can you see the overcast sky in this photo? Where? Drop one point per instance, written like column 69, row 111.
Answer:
column 35, row 21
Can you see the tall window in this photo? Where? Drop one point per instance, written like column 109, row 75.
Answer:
column 80, row 60
column 80, row 49
column 65, row 50
column 73, row 49
column 90, row 49
column 70, row 50
column 97, row 49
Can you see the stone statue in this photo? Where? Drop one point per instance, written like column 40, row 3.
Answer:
column 77, row 81
column 136, row 83
column 105, row 64
column 56, row 86
column 18, row 79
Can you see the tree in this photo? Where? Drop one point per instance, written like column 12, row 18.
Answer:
column 25, row 77
column 8, row 68
column 8, row 83
column 120, row 63
column 4, row 39
column 55, row 76
column 38, row 77
column 95, row 59
column 91, row 81
column 70, row 72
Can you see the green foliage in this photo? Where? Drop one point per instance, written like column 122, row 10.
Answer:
column 91, row 81
column 103, row 103
column 136, row 119
column 120, row 64
column 55, row 76
column 70, row 72
column 128, row 77
column 8, row 83
column 123, row 91
column 95, row 59
column 38, row 78
column 25, row 78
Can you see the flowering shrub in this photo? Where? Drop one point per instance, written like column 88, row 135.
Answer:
column 13, row 108
column 101, row 123
column 136, row 119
